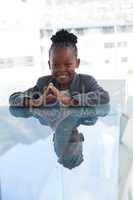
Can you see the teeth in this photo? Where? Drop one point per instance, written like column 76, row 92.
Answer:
column 62, row 76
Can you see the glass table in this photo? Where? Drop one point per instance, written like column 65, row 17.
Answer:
column 59, row 153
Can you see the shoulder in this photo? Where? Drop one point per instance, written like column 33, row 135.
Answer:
column 43, row 82
column 86, row 77
column 44, row 78
column 89, row 82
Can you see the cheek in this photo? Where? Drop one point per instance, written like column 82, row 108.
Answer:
column 53, row 70
column 72, row 70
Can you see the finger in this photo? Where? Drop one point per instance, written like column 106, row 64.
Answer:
column 50, row 98
column 53, row 89
column 50, row 85
column 45, row 89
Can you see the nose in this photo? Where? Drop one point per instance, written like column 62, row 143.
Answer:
column 62, row 68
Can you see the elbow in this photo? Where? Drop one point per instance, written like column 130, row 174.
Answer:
column 16, row 100
column 11, row 100
column 105, row 98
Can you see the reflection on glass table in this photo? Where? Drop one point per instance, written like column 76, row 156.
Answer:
column 59, row 153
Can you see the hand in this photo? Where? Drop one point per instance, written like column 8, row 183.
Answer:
column 66, row 100
column 34, row 102
column 51, row 94
column 54, row 94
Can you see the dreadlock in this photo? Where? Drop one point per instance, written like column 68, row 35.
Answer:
column 63, row 39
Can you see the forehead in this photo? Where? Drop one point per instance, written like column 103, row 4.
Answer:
column 58, row 53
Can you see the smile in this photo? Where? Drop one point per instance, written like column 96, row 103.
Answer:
column 62, row 76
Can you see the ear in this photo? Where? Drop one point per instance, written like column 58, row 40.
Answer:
column 78, row 63
column 49, row 64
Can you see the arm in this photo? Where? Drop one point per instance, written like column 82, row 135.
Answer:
column 23, row 99
column 92, row 94
column 33, row 97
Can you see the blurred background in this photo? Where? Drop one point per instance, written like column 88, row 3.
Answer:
column 105, row 39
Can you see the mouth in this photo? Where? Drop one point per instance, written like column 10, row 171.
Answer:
column 63, row 76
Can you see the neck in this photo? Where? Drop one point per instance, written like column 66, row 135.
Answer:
column 64, row 87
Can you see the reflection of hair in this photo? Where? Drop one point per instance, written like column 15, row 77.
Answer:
column 68, row 148
column 63, row 39
column 69, row 160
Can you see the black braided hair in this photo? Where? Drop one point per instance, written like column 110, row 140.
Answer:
column 63, row 39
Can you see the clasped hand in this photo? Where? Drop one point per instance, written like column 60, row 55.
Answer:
column 51, row 95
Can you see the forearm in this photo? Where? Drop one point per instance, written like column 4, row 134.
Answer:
column 17, row 99
column 21, row 99
column 92, row 98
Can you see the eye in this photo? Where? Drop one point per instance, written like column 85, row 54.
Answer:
column 55, row 66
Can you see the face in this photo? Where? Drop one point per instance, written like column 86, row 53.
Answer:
column 62, row 64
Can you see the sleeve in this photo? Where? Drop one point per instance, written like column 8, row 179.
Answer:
column 19, row 99
column 92, row 94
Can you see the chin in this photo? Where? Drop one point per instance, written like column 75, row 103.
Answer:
column 63, row 81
